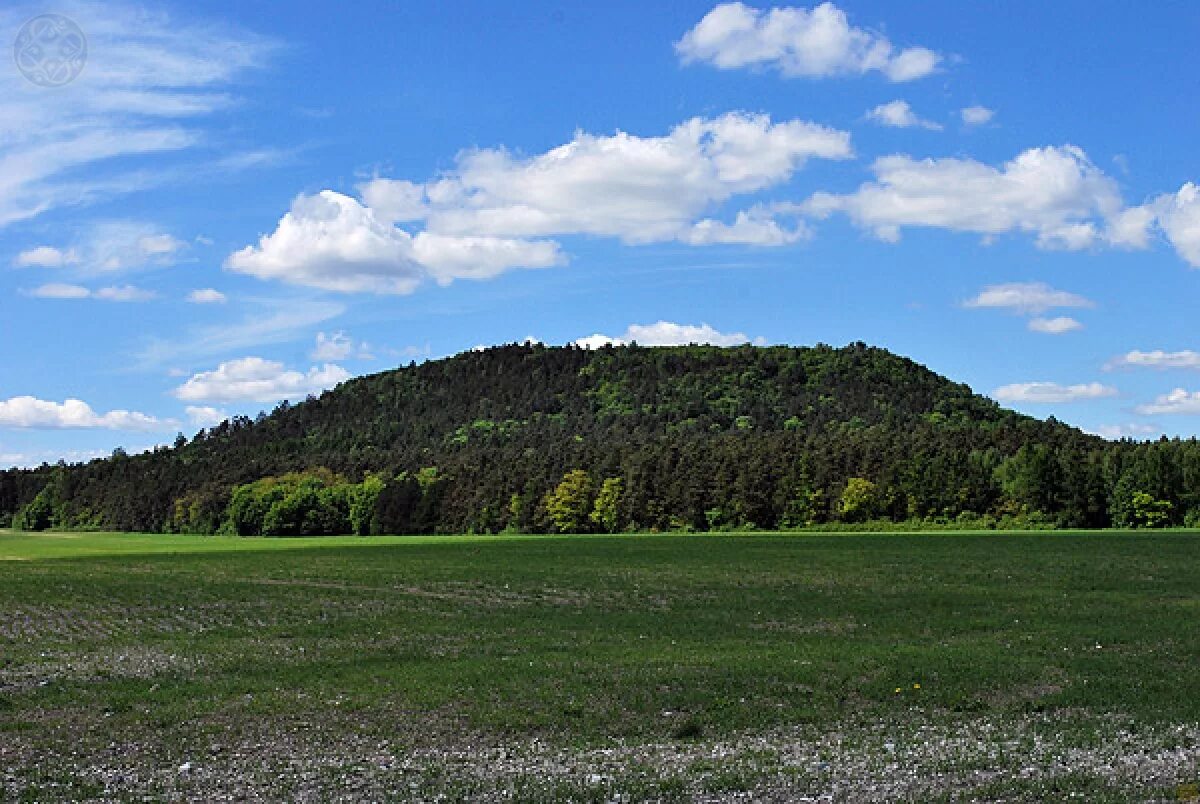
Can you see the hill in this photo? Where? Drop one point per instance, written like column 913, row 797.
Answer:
column 530, row 437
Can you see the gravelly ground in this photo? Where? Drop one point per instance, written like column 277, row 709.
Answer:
column 1029, row 759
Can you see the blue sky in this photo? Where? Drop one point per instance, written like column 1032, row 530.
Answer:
column 233, row 204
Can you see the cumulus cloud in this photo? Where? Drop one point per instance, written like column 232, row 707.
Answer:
column 757, row 226
column 1059, row 325
column 206, row 296
column 253, row 379
column 1054, row 193
column 118, row 293
column 339, row 346
column 667, row 333
column 151, row 77
column 1047, row 392
column 483, row 217
column 395, row 200
column 815, row 43
column 205, row 415
column 1156, row 359
column 1177, row 402
column 333, row 242
column 33, row 413
column 976, row 115
column 1178, row 216
column 1025, row 298
column 637, row 189
column 898, row 114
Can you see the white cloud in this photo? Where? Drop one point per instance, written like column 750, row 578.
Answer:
column 30, row 412
column 339, row 346
column 204, row 415
column 1054, row 326
column 333, row 242
column 1179, row 218
column 206, row 296
column 149, row 76
column 1157, row 359
column 1053, row 193
column 121, row 293
column 1026, row 298
column 637, row 189
column 898, row 114
column 976, row 115
column 799, row 42
column 124, row 293
column 47, row 257
column 1047, row 392
column 253, row 379
column 60, row 290
column 330, row 241
column 108, row 247
column 280, row 322
column 477, row 217
column 449, row 257
column 1114, row 432
column 395, row 200
column 1178, row 401
column 756, row 226
column 667, row 333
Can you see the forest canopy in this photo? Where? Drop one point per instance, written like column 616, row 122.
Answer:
column 564, row 439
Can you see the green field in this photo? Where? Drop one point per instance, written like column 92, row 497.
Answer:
column 1014, row 666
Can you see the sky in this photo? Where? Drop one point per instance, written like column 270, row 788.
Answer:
column 208, row 207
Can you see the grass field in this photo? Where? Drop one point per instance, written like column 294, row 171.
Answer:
column 876, row 667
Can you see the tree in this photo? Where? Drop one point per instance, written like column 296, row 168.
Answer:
column 569, row 505
column 860, row 500
column 363, row 500
column 606, row 511
column 39, row 514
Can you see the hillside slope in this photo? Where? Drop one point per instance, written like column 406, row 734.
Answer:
column 698, row 437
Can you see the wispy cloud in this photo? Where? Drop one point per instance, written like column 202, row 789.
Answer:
column 282, row 322
column 148, row 77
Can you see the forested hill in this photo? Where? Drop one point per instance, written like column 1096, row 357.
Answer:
column 529, row 437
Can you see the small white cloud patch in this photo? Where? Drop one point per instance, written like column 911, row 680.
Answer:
column 253, row 379
column 798, row 42
column 1156, row 359
column 976, row 115
column 206, row 296
column 1177, row 402
column 898, row 114
column 1059, row 325
column 1049, row 392
column 667, row 333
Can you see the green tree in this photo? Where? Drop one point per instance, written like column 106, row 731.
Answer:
column 860, row 500
column 363, row 500
column 39, row 514
column 569, row 505
column 606, row 511
column 1148, row 512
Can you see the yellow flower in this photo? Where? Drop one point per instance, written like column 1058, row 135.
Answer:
column 916, row 686
column 897, row 690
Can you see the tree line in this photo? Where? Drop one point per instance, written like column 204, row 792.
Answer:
column 542, row 439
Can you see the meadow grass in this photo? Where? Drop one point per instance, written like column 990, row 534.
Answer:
column 687, row 665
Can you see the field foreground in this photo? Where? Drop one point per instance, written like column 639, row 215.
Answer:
column 767, row 667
